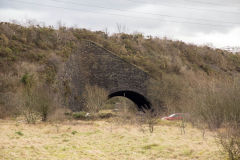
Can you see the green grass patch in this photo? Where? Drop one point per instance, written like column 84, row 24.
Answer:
column 19, row 133
column 150, row 146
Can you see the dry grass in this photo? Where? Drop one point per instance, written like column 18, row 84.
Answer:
column 103, row 140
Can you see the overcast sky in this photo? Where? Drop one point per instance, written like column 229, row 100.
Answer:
column 215, row 22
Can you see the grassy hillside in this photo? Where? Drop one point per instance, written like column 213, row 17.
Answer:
column 32, row 55
column 35, row 44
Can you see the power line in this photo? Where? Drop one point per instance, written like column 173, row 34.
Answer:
column 167, row 5
column 147, row 13
column 117, row 14
column 126, row 16
column 182, row 6
column 211, row 3
column 193, row 1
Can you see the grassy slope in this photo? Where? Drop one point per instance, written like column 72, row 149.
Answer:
column 103, row 140
column 41, row 52
column 156, row 56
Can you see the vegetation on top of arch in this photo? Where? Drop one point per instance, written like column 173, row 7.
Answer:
column 154, row 55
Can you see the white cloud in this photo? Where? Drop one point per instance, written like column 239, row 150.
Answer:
column 218, row 39
column 20, row 15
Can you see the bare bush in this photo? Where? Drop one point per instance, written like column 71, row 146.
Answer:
column 8, row 104
column 94, row 97
column 28, row 107
column 37, row 103
column 216, row 103
column 150, row 117
column 126, row 110
column 168, row 93
column 38, row 100
column 45, row 102
column 229, row 138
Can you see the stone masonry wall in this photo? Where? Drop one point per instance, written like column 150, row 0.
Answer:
column 94, row 65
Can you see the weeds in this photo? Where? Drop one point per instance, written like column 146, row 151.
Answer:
column 19, row 133
column 80, row 115
column 74, row 132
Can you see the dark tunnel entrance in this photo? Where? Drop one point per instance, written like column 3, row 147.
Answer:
column 141, row 102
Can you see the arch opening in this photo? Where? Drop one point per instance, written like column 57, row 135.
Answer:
column 141, row 102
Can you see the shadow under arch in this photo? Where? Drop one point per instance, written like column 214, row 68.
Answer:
column 141, row 102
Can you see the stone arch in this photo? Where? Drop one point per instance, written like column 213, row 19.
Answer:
column 141, row 101
column 94, row 65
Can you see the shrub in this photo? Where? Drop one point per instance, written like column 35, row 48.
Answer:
column 80, row 115
column 45, row 102
column 28, row 99
column 7, row 52
column 8, row 104
column 28, row 107
column 217, row 105
column 19, row 133
column 37, row 100
column 94, row 97
column 230, row 141
column 206, row 68
column 3, row 40
column 28, row 80
column 151, row 116
column 50, row 74
column 74, row 132
column 167, row 92
column 105, row 115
